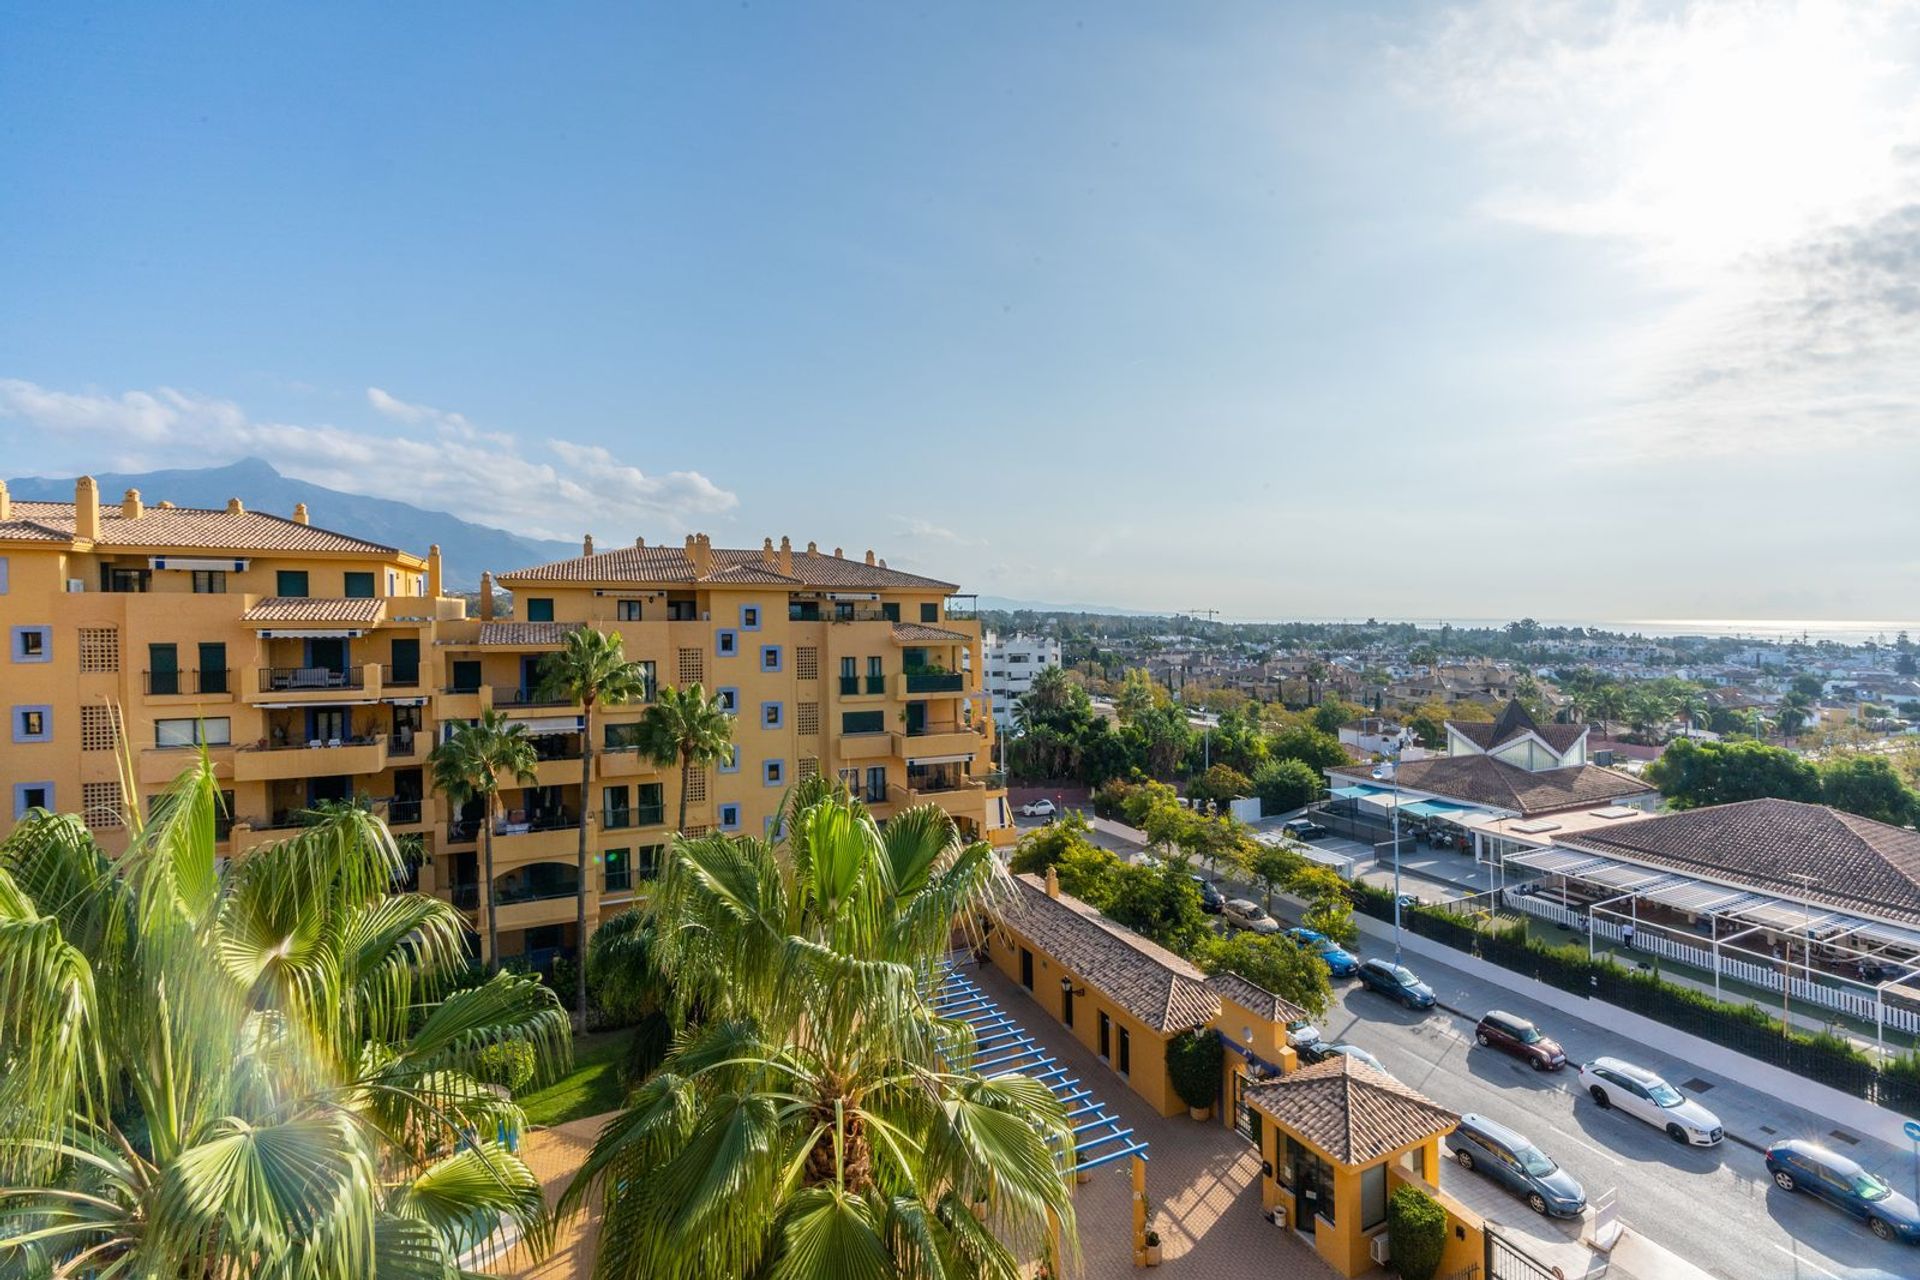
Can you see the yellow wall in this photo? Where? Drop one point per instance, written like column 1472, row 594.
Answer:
column 1345, row 1246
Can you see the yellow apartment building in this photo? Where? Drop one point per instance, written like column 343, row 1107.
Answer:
column 316, row 666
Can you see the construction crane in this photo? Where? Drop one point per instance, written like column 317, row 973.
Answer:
column 1208, row 614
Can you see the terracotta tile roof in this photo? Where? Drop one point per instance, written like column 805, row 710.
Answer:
column 1513, row 722
column 1858, row 864
column 1252, row 996
column 1351, row 1111
column 921, row 633
column 314, row 609
column 521, row 634
column 1147, row 980
column 1483, row 780
column 648, row 566
column 187, row 528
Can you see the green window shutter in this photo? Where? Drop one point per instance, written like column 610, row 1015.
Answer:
column 540, row 609
column 358, row 586
column 290, row 582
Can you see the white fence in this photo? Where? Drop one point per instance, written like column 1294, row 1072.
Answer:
column 1855, row 1003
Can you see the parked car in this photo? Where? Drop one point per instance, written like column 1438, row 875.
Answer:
column 1245, row 913
column 1042, row 808
column 1304, row 829
column 1509, row 1159
column 1802, row 1166
column 1512, row 1034
column 1398, row 981
column 1355, row 1052
column 1210, row 899
column 1302, row 1034
column 1645, row 1096
column 1341, row 962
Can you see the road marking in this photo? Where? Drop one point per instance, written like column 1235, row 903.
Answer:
column 1800, row 1261
column 1604, row 1155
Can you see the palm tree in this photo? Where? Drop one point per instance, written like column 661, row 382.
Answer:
column 248, row 1069
column 1609, row 702
column 469, row 764
column 687, row 727
column 590, row 670
column 815, row 1116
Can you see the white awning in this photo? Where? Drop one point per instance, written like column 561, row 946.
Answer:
column 959, row 759
column 329, row 702
column 405, row 702
column 540, row 726
column 312, row 633
column 228, row 565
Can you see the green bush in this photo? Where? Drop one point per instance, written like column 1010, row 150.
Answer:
column 509, row 1063
column 1193, row 1064
column 1417, row 1232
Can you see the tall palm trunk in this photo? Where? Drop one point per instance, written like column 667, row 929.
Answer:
column 580, row 884
column 493, row 916
column 686, row 772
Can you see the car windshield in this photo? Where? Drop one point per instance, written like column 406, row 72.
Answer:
column 1664, row 1094
column 1529, row 1034
column 1535, row 1161
column 1403, row 974
column 1868, row 1187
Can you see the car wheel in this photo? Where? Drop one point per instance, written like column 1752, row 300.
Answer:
column 1481, row 1036
column 1540, row 1064
column 1465, row 1158
column 1880, row 1228
column 1600, row 1097
column 1678, row 1134
column 1784, row 1180
column 1537, row 1203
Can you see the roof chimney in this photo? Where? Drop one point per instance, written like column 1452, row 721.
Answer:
column 486, row 596
column 838, row 554
column 436, row 580
column 700, row 554
column 766, row 552
column 235, row 507
column 1053, row 883
column 869, row 555
column 639, row 539
column 586, row 545
column 299, row 513
column 786, row 555
column 130, row 506
column 813, row 548
column 6, row 502
column 165, row 505
column 86, row 509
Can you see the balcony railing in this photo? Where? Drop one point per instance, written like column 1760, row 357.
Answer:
column 464, row 896
column 468, row 689
column 163, row 683
column 936, row 681
column 531, row 893
column 932, row 727
column 514, row 695
column 650, row 815
column 400, row 678
column 617, row 880
column 402, row 813
column 299, row 679
column 556, row 820
column 876, row 684
column 616, row 819
column 465, row 831
column 849, row 686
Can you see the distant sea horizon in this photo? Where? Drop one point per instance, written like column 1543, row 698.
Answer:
column 1774, row 630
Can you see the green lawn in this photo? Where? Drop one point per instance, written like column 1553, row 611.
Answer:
column 592, row 1087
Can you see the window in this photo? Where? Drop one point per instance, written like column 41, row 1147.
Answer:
column 191, row 732
column 32, row 644
column 540, row 609
column 1125, row 1065
column 622, row 737
column 890, row 611
column 729, row 817
column 357, row 586
column 1026, row 968
column 732, row 763
column 118, row 581
column 615, row 813
column 726, row 643
column 693, row 666
column 163, row 668
column 616, row 871
column 806, row 662
column 1066, row 1003
column 854, row 722
column 1373, row 1197
column 290, row 582
column 772, row 715
column 31, row 795
column 650, row 805
column 773, row 773
column 99, row 650
column 3, row 575
column 929, row 613
column 876, row 675
column 876, row 784
column 749, row 617
column 849, row 677
column 626, row 611
column 100, row 805
column 729, row 699
column 466, row 677
column 33, row 724
column 648, row 861
column 806, row 719
column 770, row 659
column 209, row 582
column 1106, row 1033
column 99, row 729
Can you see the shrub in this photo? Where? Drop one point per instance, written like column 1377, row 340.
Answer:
column 1193, row 1065
column 1286, row 785
column 1417, row 1231
column 509, row 1063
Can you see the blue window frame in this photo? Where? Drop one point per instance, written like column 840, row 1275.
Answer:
column 31, row 795
column 729, row 817
column 773, row 715
column 32, row 644
column 729, row 699
column 3, row 575
column 749, row 617
column 32, row 724
column 726, row 642
column 770, row 657
column 732, row 763
column 773, row 773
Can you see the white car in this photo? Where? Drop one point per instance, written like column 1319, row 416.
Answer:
column 1645, row 1096
column 1301, row 1033
column 1037, row 809
column 1244, row 913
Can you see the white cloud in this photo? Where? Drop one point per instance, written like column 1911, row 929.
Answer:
column 923, row 530
column 555, row 488
column 1753, row 169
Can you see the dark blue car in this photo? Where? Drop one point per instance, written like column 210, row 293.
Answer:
column 1340, row 962
column 1802, row 1166
column 1398, row 981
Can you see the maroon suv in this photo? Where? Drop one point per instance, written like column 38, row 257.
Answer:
column 1510, row 1033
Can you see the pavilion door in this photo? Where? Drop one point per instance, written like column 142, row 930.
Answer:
column 1106, row 1036
column 1026, row 968
column 330, row 653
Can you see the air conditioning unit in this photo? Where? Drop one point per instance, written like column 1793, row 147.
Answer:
column 1377, row 1248
column 76, row 586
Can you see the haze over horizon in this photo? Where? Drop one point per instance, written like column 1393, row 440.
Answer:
column 1562, row 311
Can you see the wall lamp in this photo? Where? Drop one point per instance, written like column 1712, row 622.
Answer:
column 1067, row 988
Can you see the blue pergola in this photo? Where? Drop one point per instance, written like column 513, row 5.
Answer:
column 1003, row 1047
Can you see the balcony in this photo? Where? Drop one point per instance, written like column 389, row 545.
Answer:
column 866, row 746
column 158, row 766
column 195, row 683
column 400, row 678
column 464, row 896
column 313, row 684
column 922, row 683
column 463, row 831
column 625, row 762
column 514, row 697
column 405, row 814
column 943, row 739
column 539, row 839
column 557, row 771
column 310, row 759
column 525, row 913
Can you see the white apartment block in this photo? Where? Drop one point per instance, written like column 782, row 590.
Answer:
column 1012, row 663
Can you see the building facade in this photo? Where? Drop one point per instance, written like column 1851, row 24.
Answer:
column 314, row 666
column 1012, row 663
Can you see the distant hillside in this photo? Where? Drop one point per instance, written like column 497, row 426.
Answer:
column 1005, row 605
column 465, row 547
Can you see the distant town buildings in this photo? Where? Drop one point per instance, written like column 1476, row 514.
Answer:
column 1012, row 663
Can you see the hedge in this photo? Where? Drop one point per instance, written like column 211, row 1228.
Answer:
column 1416, row 1232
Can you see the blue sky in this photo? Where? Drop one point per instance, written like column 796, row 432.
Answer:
column 1281, row 310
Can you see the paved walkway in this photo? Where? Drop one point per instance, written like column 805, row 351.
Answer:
column 553, row 1155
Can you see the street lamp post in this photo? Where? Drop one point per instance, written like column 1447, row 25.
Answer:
column 1393, row 774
